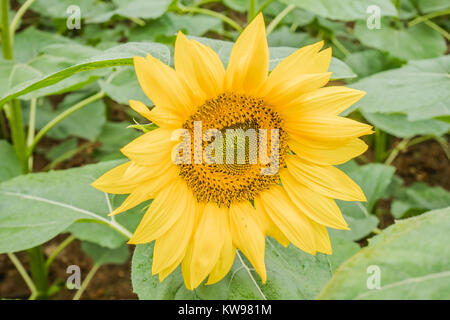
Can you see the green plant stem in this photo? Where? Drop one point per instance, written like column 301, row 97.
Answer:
column 251, row 10
column 212, row 13
column 6, row 35
column 436, row 27
column 18, row 17
column 67, row 155
column 274, row 23
column 380, row 145
column 31, row 129
column 339, row 45
column 265, row 5
column 38, row 271
column 62, row 116
column 60, row 248
column 20, row 268
column 86, row 281
column 394, row 153
column 428, row 17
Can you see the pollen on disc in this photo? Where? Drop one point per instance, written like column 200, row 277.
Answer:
column 224, row 183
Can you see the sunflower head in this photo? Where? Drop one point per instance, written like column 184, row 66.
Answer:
column 257, row 159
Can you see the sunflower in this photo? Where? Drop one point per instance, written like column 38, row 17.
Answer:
column 202, row 213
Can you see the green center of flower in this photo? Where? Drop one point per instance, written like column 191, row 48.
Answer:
column 243, row 156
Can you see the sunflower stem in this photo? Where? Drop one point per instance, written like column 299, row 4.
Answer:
column 20, row 268
column 86, row 281
column 212, row 13
column 60, row 248
column 428, row 17
column 380, row 145
column 279, row 18
column 62, row 116
column 18, row 17
column 38, row 271
column 251, row 10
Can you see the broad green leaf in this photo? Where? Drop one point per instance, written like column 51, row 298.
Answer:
column 85, row 123
column 368, row 62
column 342, row 251
column 121, row 55
column 36, row 207
column 124, row 86
column 59, row 8
column 419, row 89
column 346, row 10
column 417, row 42
column 417, row 199
column 113, row 137
column 283, row 37
column 399, row 125
column 291, row 274
column 413, row 258
column 373, row 180
column 145, row 9
column 297, row 16
column 102, row 255
column 61, row 149
column 10, row 166
column 276, row 55
column 427, row 6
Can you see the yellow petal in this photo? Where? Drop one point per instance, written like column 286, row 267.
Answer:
column 317, row 207
column 164, row 118
column 323, row 243
column 207, row 242
column 112, row 182
column 249, row 59
column 171, row 246
column 148, row 189
column 164, row 87
column 200, row 67
column 226, row 259
column 293, row 66
column 247, row 235
column 326, row 128
column 151, row 148
column 268, row 226
column 167, row 271
column 163, row 212
column 140, row 108
column 349, row 149
column 326, row 180
column 288, row 218
column 328, row 100
column 282, row 94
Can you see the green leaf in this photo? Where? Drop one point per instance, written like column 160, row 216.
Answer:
column 419, row 89
column 10, row 166
column 61, row 149
column 85, row 123
column 283, row 37
column 102, row 255
column 373, row 180
column 145, row 9
column 342, row 251
column 121, row 55
column 413, row 259
column 368, row 62
column 297, row 16
column 346, row 10
column 58, row 8
column 36, row 207
column 277, row 54
column 417, row 199
column 291, row 274
column 427, row 6
column 113, row 137
column 399, row 125
column 417, row 42
column 123, row 86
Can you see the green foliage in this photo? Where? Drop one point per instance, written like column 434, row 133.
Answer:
column 412, row 257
